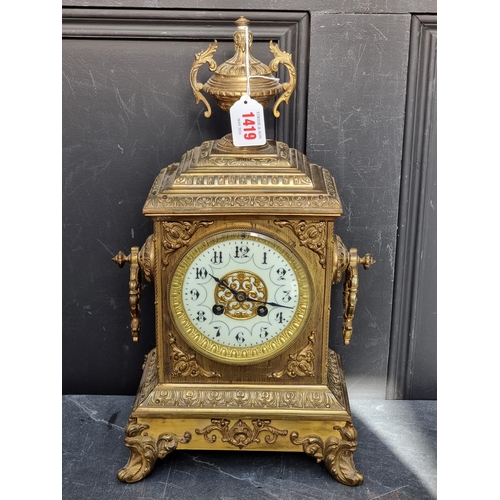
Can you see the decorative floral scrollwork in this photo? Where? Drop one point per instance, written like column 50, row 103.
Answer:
column 146, row 258
column 335, row 379
column 185, row 365
column 177, row 235
column 247, row 282
column 310, row 234
column 300, row 364
column 335, row 452
column 149, row 379
column 342, row 258
column 145, row 450
column 241, row 434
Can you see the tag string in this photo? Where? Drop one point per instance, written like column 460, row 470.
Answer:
column 247, row 63
column 247, row 60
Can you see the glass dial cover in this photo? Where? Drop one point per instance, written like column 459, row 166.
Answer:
column 240, row 297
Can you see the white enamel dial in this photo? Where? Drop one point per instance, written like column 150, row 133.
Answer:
column 240, row 296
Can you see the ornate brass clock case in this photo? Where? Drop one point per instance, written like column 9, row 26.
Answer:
column 243, row 255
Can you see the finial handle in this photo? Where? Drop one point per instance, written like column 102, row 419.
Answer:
column 199, row 60
column 286, row 59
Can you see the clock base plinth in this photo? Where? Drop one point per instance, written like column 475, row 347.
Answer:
column 315, row 420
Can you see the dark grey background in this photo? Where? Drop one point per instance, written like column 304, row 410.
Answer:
column 364, row 109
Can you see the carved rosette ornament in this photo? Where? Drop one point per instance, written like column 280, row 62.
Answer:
column 185, row 365
column 145, row 450
column 310, row 234
column 241, row 434
column 335, row 452
column 300, row 364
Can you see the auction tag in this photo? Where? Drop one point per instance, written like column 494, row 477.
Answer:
column 247, row 122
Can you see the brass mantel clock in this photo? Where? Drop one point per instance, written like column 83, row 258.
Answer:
column 243, row 256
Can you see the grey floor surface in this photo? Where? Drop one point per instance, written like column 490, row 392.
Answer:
column 396, row 453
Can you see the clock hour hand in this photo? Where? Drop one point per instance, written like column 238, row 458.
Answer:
column 239, row 296
column 223, row 284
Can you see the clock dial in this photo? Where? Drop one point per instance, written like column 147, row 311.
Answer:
column 240, row 297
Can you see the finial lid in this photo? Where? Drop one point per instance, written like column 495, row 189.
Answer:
column 242, row 21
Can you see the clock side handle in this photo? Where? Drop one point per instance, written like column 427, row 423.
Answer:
column 139, row 260
column 348, row 261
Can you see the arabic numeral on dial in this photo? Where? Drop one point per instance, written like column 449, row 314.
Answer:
column 241, row 252
column 286, row 297
column 281, row 272
column 264, row 258
column 195, row 294
column 263, row 332
column 201, row 316
column 217, row 258
column 279, row 317
column 200, row 273
column 217, row 331
column 240, row 338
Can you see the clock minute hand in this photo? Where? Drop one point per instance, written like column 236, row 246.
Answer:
column 268, row 303
column 241, row 296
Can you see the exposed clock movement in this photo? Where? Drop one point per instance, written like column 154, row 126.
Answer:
column 243, row 255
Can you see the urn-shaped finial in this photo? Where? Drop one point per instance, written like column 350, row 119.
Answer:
column 242, row 74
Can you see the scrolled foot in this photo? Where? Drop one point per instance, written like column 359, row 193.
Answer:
column 335, row 452
column 145, row 450
column 143, row 453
